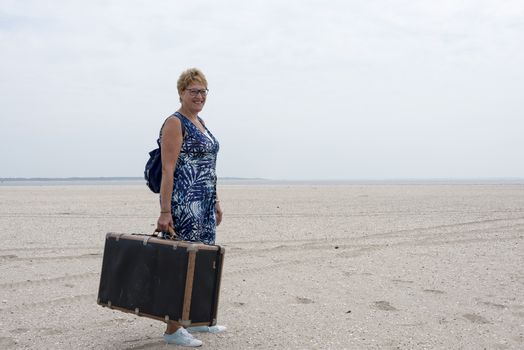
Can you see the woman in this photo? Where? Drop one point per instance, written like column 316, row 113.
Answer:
column 188, row 198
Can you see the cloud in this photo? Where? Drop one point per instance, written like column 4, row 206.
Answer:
column 298, row 88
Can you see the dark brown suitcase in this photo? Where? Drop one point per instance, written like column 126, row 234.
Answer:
column 161, row 278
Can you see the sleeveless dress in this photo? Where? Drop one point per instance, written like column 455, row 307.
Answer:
column 194, row 185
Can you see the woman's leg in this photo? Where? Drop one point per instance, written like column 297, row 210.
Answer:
column 172, row 327
column 176, row 334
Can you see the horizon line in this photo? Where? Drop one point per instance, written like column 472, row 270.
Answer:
column 385, row 179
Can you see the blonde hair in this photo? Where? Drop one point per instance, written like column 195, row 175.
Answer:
column 188, row 77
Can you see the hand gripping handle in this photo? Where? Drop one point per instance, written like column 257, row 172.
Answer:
column 171, row 231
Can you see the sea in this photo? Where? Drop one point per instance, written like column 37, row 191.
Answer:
column 138, row 181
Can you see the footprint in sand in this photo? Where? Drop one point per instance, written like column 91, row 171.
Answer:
column 401, row 281
column 302, row 300
column 8, row 256
column 434, row 291
column 19, row 331
column 7, row 343
column 495, row 305
column 50, row 331
column 384, row 306
column 473, row 318
column 519, row 339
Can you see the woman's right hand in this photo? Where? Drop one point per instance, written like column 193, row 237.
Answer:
column 165, row 220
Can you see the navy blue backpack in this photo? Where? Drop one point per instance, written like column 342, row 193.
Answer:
column 153, row 169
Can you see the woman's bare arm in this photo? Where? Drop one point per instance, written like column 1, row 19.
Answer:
column 171, row 144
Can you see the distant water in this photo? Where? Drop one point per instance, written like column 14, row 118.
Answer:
column 73, row 181
column 255, row 181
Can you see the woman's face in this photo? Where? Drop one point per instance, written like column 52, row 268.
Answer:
column 194, row 97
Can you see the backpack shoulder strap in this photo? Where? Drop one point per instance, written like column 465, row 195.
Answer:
column 177, row 115
column 181, row 118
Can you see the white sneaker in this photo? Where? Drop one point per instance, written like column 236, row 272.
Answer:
column 182, row 337
column 211, row 329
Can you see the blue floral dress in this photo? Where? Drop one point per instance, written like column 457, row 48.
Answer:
column 194, row 187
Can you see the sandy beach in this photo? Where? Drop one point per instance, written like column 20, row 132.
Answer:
column 307, row 267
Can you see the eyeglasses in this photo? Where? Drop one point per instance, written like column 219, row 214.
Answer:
column 195, row 92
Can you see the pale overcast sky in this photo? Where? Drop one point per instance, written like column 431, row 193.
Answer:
column 298, row 89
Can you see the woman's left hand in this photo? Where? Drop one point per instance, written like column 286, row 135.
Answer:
column 218, row 213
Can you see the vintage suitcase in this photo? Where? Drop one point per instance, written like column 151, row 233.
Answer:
column 161, row 278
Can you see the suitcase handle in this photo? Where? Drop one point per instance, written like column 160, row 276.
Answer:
column 171, row 231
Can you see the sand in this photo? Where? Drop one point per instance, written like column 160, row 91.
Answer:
column 307, row 267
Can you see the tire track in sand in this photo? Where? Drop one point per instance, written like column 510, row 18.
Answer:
column 49, row 281
column 12, row 257
column 54, row 302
